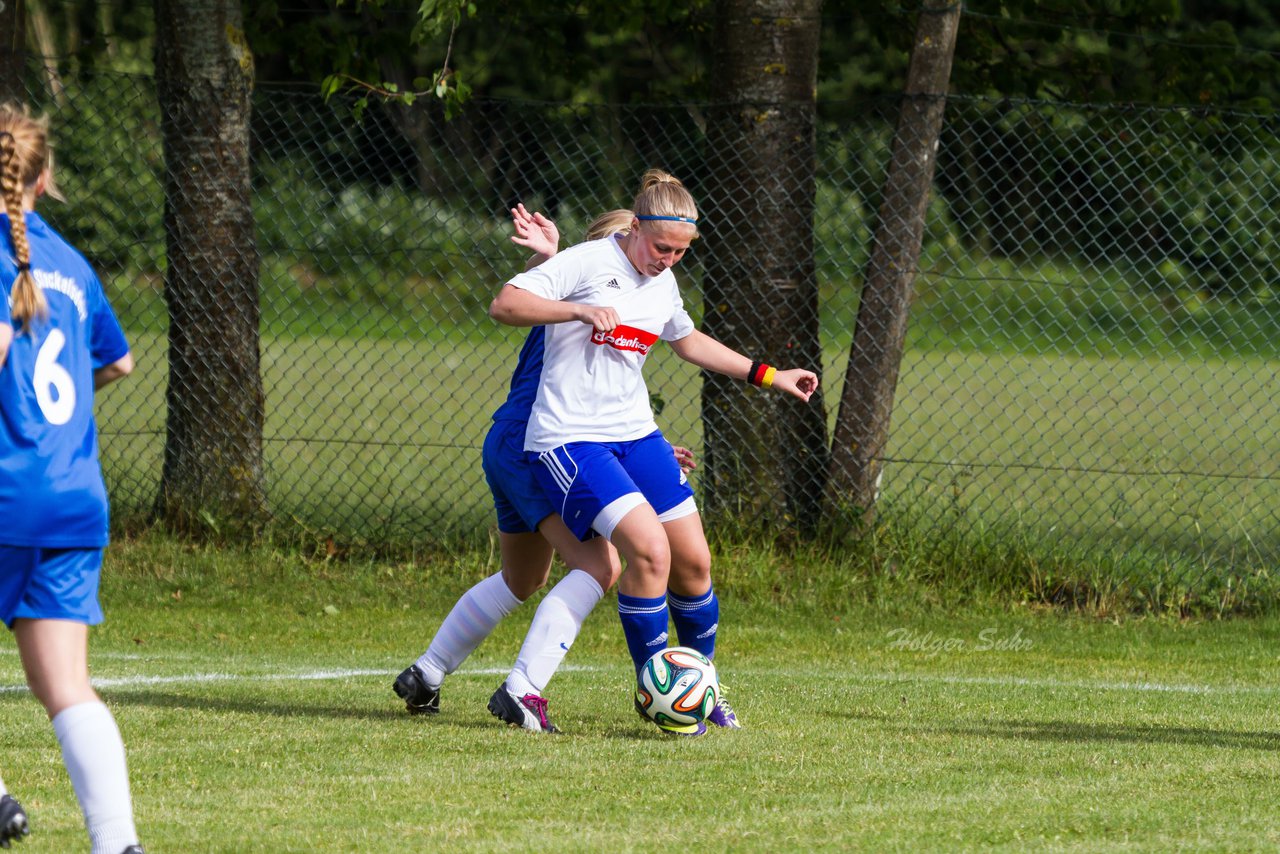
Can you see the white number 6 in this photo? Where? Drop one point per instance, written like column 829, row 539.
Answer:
column 51, row 378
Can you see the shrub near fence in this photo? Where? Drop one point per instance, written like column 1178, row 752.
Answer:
column 1091, row 360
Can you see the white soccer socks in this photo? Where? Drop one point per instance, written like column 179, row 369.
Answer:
column 472, row 619
column 94, row 755
column 555, row 626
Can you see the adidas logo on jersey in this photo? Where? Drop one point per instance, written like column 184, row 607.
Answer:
column 613, row 283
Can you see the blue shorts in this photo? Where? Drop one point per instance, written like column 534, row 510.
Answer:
column 50, row 584
column 583, row 478
column 519, row 500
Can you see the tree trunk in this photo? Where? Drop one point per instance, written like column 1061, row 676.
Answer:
column 107, row 28
column 414, row 122
column 765, row 455
column 42, row 34
column 212, row 474
column 13, row 54
column 71, row 25
column 975, row 219
column 862, row 426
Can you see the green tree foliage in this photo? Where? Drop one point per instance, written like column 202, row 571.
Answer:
column 92, row 34
column 1218, row 52
column 591, row 51
column 1141, row 51
column 1144, row 51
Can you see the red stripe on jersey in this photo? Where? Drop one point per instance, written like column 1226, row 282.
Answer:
column 626, row 338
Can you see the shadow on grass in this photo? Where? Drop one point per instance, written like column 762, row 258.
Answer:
column 392, row 711
column 1084, row 733
column 1074, row 731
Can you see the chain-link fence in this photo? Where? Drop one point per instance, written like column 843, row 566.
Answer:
column 1090, row 362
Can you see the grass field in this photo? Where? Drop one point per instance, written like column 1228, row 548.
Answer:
column 253, row 691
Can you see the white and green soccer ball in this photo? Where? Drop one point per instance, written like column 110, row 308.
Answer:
column 677, row 686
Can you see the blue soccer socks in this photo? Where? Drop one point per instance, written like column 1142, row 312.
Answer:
column 644, row 624
column 696, row 619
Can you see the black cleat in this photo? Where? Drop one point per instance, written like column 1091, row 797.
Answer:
column 133, row 849
column 419, row 697
column 527, row 712
column 13, row 821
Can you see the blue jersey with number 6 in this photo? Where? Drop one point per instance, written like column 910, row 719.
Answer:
column 51, row 490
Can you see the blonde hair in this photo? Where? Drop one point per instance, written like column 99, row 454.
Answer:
column 663, row 195
column 610, row 223
column 24, row 154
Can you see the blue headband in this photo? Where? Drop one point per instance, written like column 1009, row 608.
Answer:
column 689, row 220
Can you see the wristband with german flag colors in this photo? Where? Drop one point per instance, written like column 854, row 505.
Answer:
column 761, row 374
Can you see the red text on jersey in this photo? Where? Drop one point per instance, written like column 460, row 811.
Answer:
column 626, row 338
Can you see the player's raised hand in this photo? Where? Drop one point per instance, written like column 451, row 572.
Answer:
column 534, row 231
column 796, row 382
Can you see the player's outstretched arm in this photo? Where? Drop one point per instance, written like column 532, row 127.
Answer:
column 709, row 354
column 518, row 307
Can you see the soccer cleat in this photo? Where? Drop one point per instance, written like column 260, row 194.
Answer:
column 723, row 714
column 13, row 821
column 528, row 712
column 419, row 697
column 685, row 730
column 133, row 849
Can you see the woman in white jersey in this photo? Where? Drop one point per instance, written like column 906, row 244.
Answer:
column 528, row 529
column 59, row 341
column 600, row 456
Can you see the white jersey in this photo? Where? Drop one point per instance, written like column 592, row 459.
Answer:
column 591, row 387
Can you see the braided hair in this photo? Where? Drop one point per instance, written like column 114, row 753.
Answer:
column 24, row 154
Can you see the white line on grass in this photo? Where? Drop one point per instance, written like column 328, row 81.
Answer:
column 1022, row 682
column 126, row 682
column 125, row 656
column 299, row 676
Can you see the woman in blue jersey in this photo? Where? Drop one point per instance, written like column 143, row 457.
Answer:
column 59, row 342
column 591, row 436
column 528, row 530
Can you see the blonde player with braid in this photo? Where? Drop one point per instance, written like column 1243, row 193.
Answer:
column 59, row 341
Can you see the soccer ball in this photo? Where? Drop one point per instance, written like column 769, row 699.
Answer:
column 677, row 686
